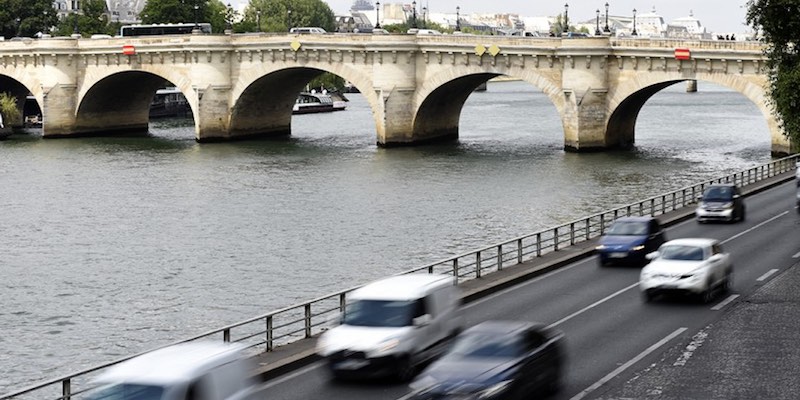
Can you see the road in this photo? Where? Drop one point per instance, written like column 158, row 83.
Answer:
column 611, row 334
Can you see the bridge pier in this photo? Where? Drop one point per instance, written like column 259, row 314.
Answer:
column 584, row 115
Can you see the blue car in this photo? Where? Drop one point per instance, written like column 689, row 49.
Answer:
column 629, row 239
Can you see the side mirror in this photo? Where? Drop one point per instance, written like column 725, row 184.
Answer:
column 422, row 320
column 652, row 256
column 700, row 197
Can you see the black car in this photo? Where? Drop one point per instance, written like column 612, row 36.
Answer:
column 629, row 239
column 720, row 202
column 495, row 360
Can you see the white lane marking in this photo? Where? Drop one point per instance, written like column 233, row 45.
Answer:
column 796, row 255
column 408, row 395
column 522, row 285
column 593, row 305
column 625, row 366
column 293, row 375
column 767, row 275
column 725, row 302
column 754, row 228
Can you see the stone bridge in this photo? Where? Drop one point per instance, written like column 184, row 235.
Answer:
column 244, row 86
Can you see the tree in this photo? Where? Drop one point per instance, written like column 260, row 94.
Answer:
column 90, row 19
column 779, row 24
column 176, row 11
column 26, row 18
column 281, row 15
column 8, row 108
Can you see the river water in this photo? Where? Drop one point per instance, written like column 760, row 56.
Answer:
column 112, row 246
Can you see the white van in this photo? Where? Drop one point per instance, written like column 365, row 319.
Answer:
column 188, row 371
column 392, row 326
column 307, row 29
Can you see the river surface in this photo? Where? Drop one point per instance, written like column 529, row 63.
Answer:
column 112, row 246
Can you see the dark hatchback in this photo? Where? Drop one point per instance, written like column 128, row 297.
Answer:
column 629, row 239
column 495, row 360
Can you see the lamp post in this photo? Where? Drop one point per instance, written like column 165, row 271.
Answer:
column 258, row 19
column 633, row 32
column 458, row 18
column 289, row 18
column 377, row 15
column 18, row 24
column 607, row 29
column 424, row 17
column 414, row 14
column 45, row 31
column 565, row 28
column 196, row 9
column 597, row 24
column 229, row 19
column 75, row 7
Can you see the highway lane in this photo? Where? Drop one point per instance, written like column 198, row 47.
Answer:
column 611, row 334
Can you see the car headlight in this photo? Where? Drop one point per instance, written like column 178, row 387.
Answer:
column 387, row 345
column 638, row 248
column 494, row 390
column 600, row 247
column 727, row 205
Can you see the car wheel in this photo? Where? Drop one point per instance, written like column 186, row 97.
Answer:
column 727, row 285
column 405, row 369
column 554, row 382
column 708, row 295
column 602, row 263
column 741, row 216
column 648, row 297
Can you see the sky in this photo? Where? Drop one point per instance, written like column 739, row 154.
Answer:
column 716, row 15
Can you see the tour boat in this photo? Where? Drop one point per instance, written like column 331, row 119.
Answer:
column 311, row 102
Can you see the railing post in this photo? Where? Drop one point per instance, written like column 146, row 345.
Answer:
column 455, row 268
column 430, row 269
column 500, row 257
column 588, row 227
column 519, row 251
column 66, row 389
column 307, row 318
column 674, row 201
column 602, row 224
column 664, row 204
column 571, row 233
column 628, row 212
column 270, row 334
column 478, row 264
column 652, row 207
column 342, row 302
column 538, row 245
column 555, row 239
column 226, row 335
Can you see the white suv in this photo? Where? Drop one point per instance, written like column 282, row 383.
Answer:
column 194, row 370
column 393, row 326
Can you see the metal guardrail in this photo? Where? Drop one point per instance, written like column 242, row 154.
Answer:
column 309, row 318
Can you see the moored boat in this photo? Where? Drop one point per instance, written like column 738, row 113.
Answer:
column 311, row 102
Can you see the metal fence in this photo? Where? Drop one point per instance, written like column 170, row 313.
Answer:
column 267, row 331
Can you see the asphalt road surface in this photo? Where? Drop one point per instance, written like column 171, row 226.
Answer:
column 618, row 346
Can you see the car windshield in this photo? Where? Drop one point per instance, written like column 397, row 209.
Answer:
column 481, row 345
column 681, row 252
column 718, row 194
column 380, row 313
column 128, row 392
column 634, row 228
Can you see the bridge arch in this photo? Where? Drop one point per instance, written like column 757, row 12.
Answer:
column 627, row 99
column 120, row 101
column 19, row 87
column 441, row 97
column 262, row 98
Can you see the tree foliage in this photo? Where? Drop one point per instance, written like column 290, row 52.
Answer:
column 778, row 22
column 92, row 18
column 8, row 108
column 26, row 18
column 183, row 11
column 281, row 15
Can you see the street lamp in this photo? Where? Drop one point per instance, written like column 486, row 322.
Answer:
column 18, row 20
column 196, row 9
column 633, row 33
column 414, row 14
column 458, row 19
column 424, row 17
column 607, row 29
column 258, row 19
column 289, row 18
column 229, row 18
column 377, row 15
column 566, row 18
column 597, row 24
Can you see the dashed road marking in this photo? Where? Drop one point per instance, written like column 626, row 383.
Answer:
column 725, row 302
column 627, row 365
column 767, row 275
column 754, row 228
